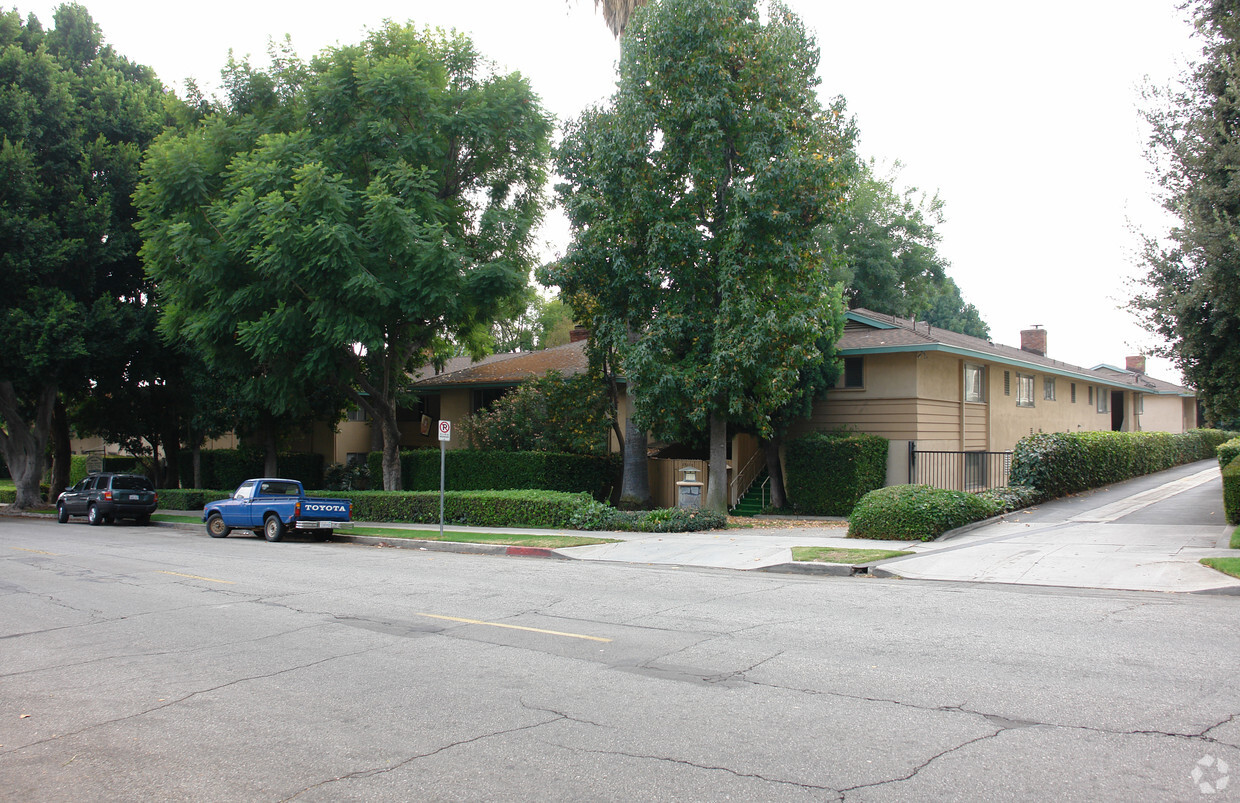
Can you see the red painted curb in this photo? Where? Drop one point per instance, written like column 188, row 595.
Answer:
column 532, row 551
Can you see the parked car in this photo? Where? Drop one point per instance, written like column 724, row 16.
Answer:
column 104, row 498
column 270, row 507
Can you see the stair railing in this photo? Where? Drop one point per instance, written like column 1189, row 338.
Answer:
column 743, row 479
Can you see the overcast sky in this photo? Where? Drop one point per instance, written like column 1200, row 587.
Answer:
column 1024, row 117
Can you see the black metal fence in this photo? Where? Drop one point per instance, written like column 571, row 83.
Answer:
column 958, row 471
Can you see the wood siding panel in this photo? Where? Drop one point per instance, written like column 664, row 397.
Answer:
column 975, row 425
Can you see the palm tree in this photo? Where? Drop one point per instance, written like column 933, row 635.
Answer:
column 616, row 13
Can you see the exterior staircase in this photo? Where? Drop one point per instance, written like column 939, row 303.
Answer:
column 755, row 499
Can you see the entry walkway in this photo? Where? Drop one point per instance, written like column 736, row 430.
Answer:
column 1146, row 534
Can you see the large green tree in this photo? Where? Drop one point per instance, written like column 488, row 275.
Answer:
column 694, row 200
column 1190, row 294
column 341, row 217
column 887, row 242
column 74, row 118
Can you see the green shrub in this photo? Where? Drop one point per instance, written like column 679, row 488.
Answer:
column 1231, row 491
column 188, row 498
column 1013, row 497
column 472, row 508
column 828, row 473
column 598, row 516
column 1228, row 452
column 120, row 464
column 472, row 470
column 8, row 496
column 915, row 512
column 1060, row 463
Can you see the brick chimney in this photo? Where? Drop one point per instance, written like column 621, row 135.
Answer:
column 1033, row 340
column 1135, row 364
column 578, row 334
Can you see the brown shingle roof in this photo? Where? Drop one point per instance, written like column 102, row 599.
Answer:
column 505, row 369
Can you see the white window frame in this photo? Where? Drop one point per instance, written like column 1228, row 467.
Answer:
column 976, row 393
column 1104, row 400
column 1024, row 382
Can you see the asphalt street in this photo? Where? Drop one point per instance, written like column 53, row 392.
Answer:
column 155, row 663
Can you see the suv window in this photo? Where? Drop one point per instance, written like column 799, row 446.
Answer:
column 131, row 482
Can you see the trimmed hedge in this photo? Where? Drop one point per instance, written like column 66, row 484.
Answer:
column 522, row 508
column 119, row 464
column 228, row 468
column 916, row 512
column 1060, row 463
column 475, row 470
column 599, row 516
column 828, row 473
column 1231, row 491
column 1228, row 452
column 188, row 498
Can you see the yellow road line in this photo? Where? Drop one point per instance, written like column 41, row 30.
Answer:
column 510, row 627
column 36, row 551
column 196, row 577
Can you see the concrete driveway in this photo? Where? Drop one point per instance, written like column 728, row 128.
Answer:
column 1145, row 534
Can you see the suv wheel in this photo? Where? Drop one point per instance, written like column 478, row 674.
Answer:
column 62, row 513
column 94, row 516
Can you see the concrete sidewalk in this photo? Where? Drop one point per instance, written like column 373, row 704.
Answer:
column 1146, row 534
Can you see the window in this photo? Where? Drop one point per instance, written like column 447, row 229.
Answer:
column 1140, row 403
column 1072, row 390
column 974, row 383
column 483, row 398
column 356, row 414
column 854, row 376
column 1102, row 401
column 1024, row 390
column 1048, row 388
column 1091, row 394
column 1007, row 383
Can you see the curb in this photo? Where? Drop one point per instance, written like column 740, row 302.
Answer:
column 811, row 568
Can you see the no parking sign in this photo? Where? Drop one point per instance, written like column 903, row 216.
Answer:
column 445, row 430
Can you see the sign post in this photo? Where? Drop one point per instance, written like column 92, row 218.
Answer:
column 445, row 435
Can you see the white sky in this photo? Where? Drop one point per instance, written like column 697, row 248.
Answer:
column 1024, row 117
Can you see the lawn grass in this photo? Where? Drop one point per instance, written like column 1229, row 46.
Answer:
column 8, row 485
column 1225, row 565
column 1235, row 538
column 171, row 519
column 852, row 557
column 506, row 539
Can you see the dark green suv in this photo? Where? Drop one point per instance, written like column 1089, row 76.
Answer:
column 104, row 498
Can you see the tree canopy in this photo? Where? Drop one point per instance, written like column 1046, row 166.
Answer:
column 888, row 248
column 340, row 218
column 1190, row 294
column 75, row 117
column 694, row 198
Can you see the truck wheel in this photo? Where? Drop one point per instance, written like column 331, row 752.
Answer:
column 215, row 526
column 93, row 516
column 273, row 528
column 62, row 513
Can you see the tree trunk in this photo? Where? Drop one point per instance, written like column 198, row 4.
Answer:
column 717, row 471
column 635, row 482
column 271, row 457
column 62, row 454
column 172, row 457
column 775, row 471
column 391, row 453
column 23, row 445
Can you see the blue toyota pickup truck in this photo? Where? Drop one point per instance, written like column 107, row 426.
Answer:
column 272, row 507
